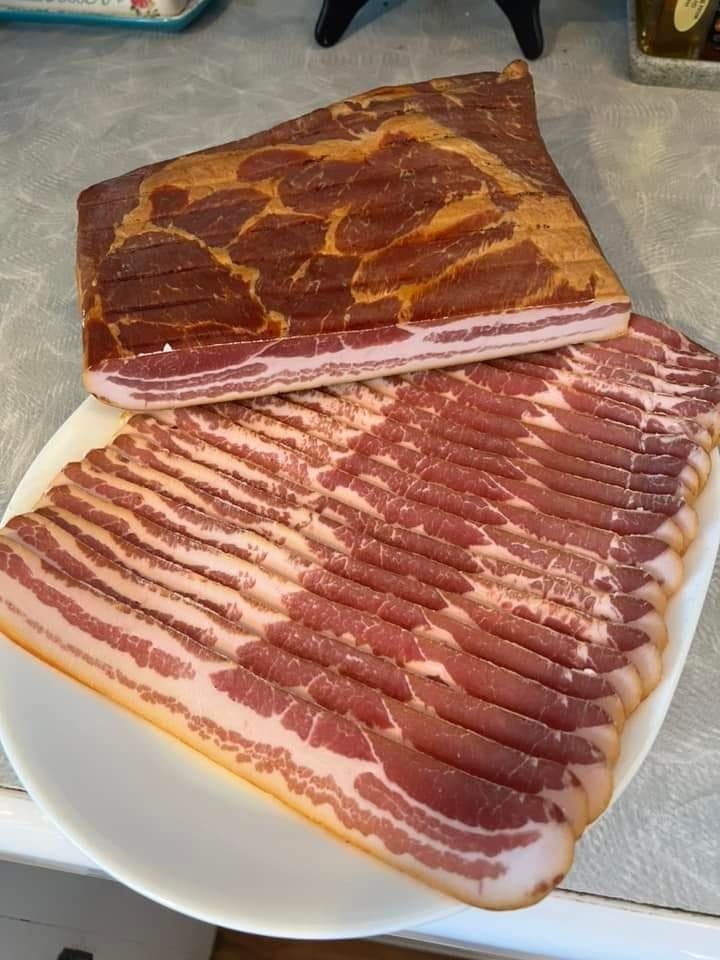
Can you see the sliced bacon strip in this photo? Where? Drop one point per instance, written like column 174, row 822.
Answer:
column 223, row 554
column 584, row 760
column 695, row 417
column 672, row 342
column 649, row 343
column 634, row 369
column 458, row 571
column 441, row 528
column 544, row 433
column 419, row 432
column 483, row 843
column 452, row 744
column 463, row 626
column 363, row 454
column 483, row 387
column 373, row 484
column 189, row 460
column 622, row 372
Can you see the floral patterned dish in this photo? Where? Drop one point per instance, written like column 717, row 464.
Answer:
column 146, row 14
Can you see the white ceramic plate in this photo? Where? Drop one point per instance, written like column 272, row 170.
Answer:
column 181, row 830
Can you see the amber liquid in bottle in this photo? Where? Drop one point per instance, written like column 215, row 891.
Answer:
column 674, row 28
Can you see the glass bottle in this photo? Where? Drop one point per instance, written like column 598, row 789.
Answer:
column 674, row 28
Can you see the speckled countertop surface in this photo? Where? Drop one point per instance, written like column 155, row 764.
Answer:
column 78, row 105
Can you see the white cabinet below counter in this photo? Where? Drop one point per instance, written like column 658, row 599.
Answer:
column 565, row 926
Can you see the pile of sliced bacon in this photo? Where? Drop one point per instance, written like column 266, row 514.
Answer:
column 417, row 609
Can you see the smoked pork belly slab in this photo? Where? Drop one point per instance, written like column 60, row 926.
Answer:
column 417, row 609
column 401, row 229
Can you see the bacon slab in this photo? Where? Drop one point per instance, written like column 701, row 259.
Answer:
column 404, row 228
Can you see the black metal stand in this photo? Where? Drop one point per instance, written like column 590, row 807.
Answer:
column 334, row 19
column 524, row 16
